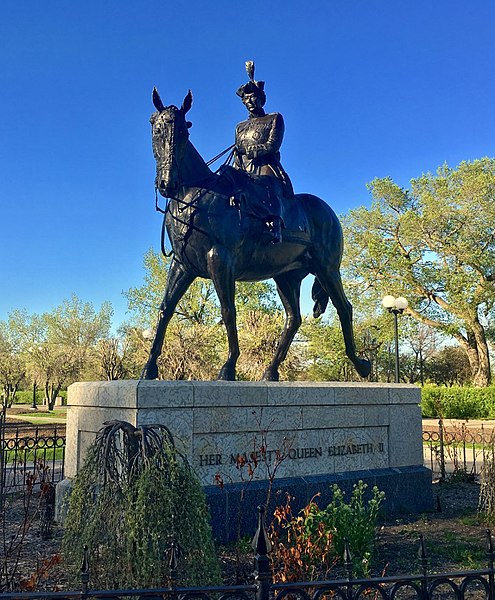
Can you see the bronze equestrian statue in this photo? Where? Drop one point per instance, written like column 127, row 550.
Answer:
column 218, row 223
column 257, row 152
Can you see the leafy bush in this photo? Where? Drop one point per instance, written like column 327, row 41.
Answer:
column 133, row 497
column 307, row 546
column 26, row 396
column 458, row 402
column 302, row 545
column 356, row 522
column 486, row 503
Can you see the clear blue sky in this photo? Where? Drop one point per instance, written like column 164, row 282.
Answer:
column 367, row 88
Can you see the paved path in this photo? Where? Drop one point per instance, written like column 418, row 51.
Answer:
column 457, row 424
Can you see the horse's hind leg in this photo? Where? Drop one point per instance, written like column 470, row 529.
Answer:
column 288, row 287
column 178, row 281
column 332, row 283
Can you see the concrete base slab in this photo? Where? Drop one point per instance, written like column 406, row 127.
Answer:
column 242, row 433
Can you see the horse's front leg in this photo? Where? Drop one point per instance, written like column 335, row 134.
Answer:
column 288, row 287
column 178, row 282
column 221, row 271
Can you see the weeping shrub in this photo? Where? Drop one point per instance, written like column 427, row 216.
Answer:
column 133, row 497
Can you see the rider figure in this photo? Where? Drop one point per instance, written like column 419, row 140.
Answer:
column 257, row 145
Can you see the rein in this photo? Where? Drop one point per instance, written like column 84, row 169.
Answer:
column 228, row 159
column 185, row 205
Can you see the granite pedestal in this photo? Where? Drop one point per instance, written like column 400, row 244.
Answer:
column 236, row 434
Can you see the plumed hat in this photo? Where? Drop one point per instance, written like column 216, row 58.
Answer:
column 252, row 86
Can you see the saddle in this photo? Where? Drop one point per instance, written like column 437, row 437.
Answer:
column 264, row 198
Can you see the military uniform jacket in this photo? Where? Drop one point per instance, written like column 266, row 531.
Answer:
column 257, row 145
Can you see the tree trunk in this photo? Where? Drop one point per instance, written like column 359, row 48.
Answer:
column 482, row 377
column 478, row 355
column 54, row 390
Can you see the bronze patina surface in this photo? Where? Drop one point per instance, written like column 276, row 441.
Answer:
column 244, row 223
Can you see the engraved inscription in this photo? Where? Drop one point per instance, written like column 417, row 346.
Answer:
column 304, row 453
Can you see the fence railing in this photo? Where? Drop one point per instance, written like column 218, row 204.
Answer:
column 447, row 451
column 478, row 584
column 25, row 448
column 454, row 449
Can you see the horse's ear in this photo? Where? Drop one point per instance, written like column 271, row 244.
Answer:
column 187, row 103
column 157, row 101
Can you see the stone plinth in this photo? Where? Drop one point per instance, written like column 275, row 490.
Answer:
column 312, row 434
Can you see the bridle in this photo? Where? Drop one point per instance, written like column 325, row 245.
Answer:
column 169, row 163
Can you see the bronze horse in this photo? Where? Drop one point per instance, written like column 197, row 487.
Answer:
column 218, row 239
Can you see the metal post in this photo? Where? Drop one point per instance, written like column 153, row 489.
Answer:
column 85, row 573
column 442, row 450
column 348, row 566
column 424, row 567
column 490, row 555
column 396, row 331
column 261, row 545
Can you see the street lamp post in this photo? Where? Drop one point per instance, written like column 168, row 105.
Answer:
column 33, row 405
column 396, row 306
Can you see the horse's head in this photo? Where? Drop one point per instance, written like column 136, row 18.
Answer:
column 169, row 137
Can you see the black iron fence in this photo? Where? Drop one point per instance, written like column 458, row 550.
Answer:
column 457, row 450
column 448, row 450
column 461, row 585
column 26, row 449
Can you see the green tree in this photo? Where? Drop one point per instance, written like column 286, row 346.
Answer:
column 449, row 366
column 12, row 363
column 133, row 496
column 419, row 343
column 60, row 344
column 113, row 357
column 434, row 244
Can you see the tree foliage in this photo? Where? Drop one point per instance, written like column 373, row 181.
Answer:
column 12, row 365
column 58, row 345
column 449, row 367
column 434, row 244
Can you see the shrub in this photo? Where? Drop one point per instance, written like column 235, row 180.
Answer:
column 306, row 547
column 458, row 402
column 356, row 522
column 134, row 495
column 302, row 545
column 486, row 502
column 26, row 396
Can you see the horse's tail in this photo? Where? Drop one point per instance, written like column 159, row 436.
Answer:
column 320, row 298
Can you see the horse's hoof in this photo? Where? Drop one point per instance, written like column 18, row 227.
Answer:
column 150, row 371
column 363, row 367
column 226, row 374
column 269, row 375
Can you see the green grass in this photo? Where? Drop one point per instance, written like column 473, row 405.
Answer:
column 458, row 550
column 43, row 418
column 40, row 454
